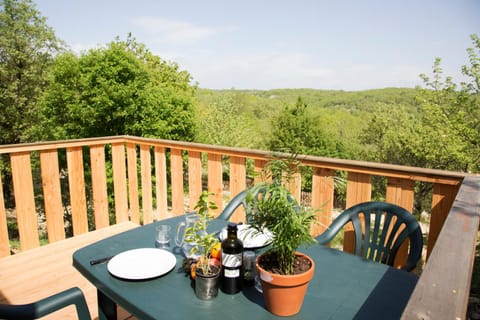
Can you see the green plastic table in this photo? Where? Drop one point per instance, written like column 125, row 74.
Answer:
column 344, row 286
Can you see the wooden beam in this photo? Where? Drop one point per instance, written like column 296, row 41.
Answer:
column 4, row 241
column 359, row 189
column 99, row 186
column 76, row 182
column 134, row 203
column 161, row 190
column 442, row 291
column 176, row 171
column 120, row 182
column 215, row 178
column 52, row 194
column 146, row 174
column 322, row 198
column 194, row 178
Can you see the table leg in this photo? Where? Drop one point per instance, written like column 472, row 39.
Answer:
column 107, row 309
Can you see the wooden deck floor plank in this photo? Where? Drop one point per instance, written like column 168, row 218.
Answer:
column 41, row 272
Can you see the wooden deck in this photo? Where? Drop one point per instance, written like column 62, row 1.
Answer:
column 156, row 179
column 38, row 273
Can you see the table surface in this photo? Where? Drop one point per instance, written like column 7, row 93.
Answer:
column 344, row 286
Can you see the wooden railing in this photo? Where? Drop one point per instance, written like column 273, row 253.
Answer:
column 155, row 179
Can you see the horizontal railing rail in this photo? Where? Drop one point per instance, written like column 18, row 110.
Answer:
column 142, row 179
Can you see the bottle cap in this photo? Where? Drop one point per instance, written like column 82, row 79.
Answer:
column 232, row 226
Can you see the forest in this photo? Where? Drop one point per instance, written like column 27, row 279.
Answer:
column 48, row 92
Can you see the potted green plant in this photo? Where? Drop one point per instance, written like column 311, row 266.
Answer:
column 207, row 274
column 273, row 207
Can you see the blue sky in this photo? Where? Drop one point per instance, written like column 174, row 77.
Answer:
column 266, row 44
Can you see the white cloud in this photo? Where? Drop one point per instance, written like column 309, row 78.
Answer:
column 83, row 47
column 291, row 70
column 175, row 31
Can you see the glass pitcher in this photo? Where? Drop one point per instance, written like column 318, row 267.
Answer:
column 182, row 240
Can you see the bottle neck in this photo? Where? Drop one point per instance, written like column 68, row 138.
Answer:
column 232, row 234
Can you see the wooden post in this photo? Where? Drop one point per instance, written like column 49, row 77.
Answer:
column 322, row 198
column 146, row 174
column 99, row 186
column 194, row 178
column 215, row 178
column 133, row 183
column 442, row 201
column 359, row 189
column 52, row 194
column 76, row 182
column 4, row 241
column 401, row 193
column 176, row 170
column 161, row 183
column 237, row 184
column 120, row 182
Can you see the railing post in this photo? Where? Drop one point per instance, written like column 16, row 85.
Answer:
column 4, row 241
column 359, row 189
column 52, row 194
column 215, row 178
column 146, row 174
column 119, row 182
column 322, row 198
column 161, row 182
column 238, row 183
column 176, row 171
column 99, row 186
column 401, row 193
column 442, row 200
column 76, row 182
column 194, row 178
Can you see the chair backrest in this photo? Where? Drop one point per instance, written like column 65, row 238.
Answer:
column 240, row 200
column 380, row 229
column 41, row 308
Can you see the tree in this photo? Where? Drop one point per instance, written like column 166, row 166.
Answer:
column 443, row 134
column 27, row 49
column 450, row 130
column 296, row 130
column 224, row 123
column 446, row 132
column 120, row 89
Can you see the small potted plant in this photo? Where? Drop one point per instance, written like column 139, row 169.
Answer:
column 273, row 207
column 207, row 272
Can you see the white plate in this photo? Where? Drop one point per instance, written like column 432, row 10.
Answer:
column 250, row 237
column 140, row 264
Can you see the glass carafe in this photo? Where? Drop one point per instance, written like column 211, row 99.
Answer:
column 184, row 241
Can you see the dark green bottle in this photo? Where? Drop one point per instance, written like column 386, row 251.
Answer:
column 232, row 258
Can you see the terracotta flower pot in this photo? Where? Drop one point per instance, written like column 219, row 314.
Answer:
column 284, row 294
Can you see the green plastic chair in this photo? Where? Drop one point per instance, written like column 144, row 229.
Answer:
column 383, row 235
column 240, row 201
column 72, row 296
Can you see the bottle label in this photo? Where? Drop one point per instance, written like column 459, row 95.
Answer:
column 229, row 273
column 231, row 260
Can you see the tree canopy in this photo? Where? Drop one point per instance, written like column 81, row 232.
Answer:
column 444, row 134
column 297, row 130
column 120, row 89
column 223, row 122
column 27, row 50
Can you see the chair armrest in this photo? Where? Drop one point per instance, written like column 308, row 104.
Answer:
column 48, row 305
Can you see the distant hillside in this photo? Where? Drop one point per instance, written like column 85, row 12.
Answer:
column 320, row 98
column 344, row 114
